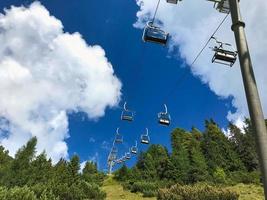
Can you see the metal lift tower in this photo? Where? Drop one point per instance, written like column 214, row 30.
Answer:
column 249, row 81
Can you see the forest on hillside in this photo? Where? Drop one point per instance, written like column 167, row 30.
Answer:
column 198, row 167
column 28, row 176
column 203, row 160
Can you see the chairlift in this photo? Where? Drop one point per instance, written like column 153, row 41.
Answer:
column 154, row 34
column 223, row 55
column 123, row 158
column 119, row 161
column 112, row 157
column 126, row 114
column 173, row 1
column 128, row 155
column 134, row 148
column 114, row 150
column 118, row 137
column 145, row 138
column 164, row 118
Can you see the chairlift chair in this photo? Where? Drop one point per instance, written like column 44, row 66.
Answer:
column 114, row 150
column 173, row 1
column 128, row 155
column 126, row 114
column 118, row 137
column 221, row 5
column 145, row 138
column 112, row 157
column 164, row 118
column 222, row 55
column 155, row 34
column 134, row 148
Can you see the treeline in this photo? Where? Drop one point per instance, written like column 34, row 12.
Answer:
column 28, row 176
column 196, row 156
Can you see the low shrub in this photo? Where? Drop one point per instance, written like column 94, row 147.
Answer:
column 244, row 177
column 143, row 186
column 196, row 192
column 17, row 193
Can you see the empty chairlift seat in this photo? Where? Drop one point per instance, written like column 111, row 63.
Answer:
column 155, row 34
column 164, row 118
column 126, row 114
column 224, row 56
column 128, row 156
column 118, row 137
column 145, row 138
column 134, row 148
column 114, row 150
column 173, row 1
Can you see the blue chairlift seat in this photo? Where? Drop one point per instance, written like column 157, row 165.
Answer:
column 224, row 57
column 155, row 34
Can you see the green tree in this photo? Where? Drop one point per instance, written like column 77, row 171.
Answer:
column 20, row 172
column 180, row 141
column 218, row 150
column 198, row 166
column 5, row 161
column 41, row 170
column 73, row 168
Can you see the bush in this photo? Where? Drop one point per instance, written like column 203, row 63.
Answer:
column 149, row 193
column 219, row 176
column 17, row 193
column 144, row 186
column 196, row 192
column 244, row 177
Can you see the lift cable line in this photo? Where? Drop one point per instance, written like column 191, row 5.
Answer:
column 156, row 11
column 181, row 79
column 185, row 74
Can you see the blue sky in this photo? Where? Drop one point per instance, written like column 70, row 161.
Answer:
column 148, row 72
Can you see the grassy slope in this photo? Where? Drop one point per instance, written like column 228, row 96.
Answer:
column 248, row 192
column 115, row 191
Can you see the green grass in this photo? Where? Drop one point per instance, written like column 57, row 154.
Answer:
column 248, row 192
column 115, row 191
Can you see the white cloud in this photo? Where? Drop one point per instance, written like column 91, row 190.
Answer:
column 191, row 23
column 46, row 74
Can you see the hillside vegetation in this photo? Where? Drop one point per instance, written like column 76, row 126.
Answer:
column 31, row 177
column 199, row 161
column 115, row 191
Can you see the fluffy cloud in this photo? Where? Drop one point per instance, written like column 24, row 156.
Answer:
column 46, row 74
column 191, row 23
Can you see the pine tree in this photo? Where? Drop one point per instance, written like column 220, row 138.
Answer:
column 198, row 166
column 73, row 169
column 180, row 156
column 219, row 151
column 5, row 161
column 41, row 170
column 20, row 172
